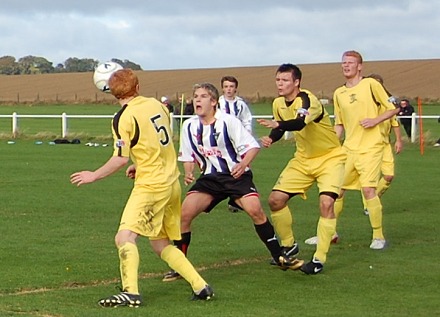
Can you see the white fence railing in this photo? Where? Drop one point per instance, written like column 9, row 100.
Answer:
column 65, row 117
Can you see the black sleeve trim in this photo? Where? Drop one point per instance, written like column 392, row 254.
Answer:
column 305, row 99
column 135, row 139
column 276, row 134
column 116, row 119
column 292, row 125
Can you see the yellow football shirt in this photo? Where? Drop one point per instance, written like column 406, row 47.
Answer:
column 141, row 131
column 318, row 137
column 365, row 100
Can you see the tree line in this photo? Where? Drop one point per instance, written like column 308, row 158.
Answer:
column 40, row 65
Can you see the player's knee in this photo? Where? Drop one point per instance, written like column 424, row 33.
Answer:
column 278, row 200
column 326, row 203
column 124, row 236
column 388, row 178
column 257, row 215
column 275, row 203
column 186, row 218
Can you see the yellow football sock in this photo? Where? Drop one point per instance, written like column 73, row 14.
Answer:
column 364, row 200
column 129, row 265
column 326, row 229
column 179, row 263
column 374, row 207
column 382, row 187
column 339, row 204
column 282, row 221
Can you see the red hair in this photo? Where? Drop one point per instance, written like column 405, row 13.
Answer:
column 355, row 54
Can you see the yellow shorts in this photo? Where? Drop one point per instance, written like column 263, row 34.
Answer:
column 153, row 214
column 363, row 169
column 300, row 174
column 387, row 167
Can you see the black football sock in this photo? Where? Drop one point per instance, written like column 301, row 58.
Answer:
column 267, row 234
column 183, row 244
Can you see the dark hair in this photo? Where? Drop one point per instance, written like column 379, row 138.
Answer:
column 290, row 68
column 378, row 77
column 232, row 79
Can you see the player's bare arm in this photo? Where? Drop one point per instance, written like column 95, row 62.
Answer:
column 131, row 171
column 266, row 141
column 372, row 122
column 188, row 168
column 339, row 129
column 114, row 164
column 240, row 167
column 272, row 124
column 398, row 145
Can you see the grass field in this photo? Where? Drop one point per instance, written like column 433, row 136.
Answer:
column 57, row 254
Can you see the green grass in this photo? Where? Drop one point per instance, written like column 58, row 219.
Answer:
column 57, row 254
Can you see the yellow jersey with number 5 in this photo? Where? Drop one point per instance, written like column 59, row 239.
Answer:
column 141, row 131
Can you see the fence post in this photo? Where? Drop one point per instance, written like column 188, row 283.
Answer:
column 413, row 127
column 64, row 125
column 172, row 123
column 14, row 125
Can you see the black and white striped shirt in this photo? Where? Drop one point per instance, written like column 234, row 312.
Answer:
column 217, row 147
column 238, row 108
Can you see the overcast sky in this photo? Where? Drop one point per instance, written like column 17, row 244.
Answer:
column 182, row 34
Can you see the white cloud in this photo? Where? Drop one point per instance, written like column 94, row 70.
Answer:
column 191, row 34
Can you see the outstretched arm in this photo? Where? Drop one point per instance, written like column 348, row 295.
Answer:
column 278, row 129
column 114, row 164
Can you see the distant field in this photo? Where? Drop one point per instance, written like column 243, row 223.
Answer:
column 409, row 78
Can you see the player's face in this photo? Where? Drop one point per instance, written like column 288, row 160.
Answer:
column 350, row 66
column 204, row 105
column 229, row 89
column 286, row 85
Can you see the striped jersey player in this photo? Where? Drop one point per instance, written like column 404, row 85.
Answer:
column 232, row 104
column 223, row 149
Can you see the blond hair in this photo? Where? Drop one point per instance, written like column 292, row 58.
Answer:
column 210, row 88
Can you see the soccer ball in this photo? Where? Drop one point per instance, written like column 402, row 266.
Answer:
column 102, row 75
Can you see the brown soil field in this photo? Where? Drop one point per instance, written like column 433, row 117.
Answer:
column 410, row 79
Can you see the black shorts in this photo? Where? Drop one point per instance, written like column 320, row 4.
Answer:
column 222, row 186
